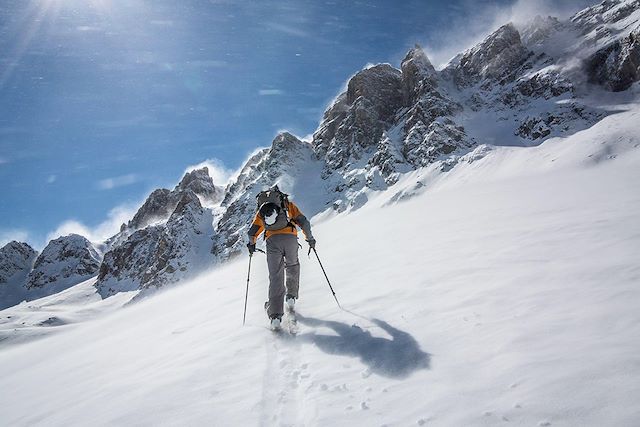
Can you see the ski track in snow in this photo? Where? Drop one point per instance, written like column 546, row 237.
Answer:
column 286, row 379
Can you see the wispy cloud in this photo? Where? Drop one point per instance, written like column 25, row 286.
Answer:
column 287, row 29
column 51, row 179
column 88, row 28
column 118, row 181
column 3, row 161
column 270, row 92
column 115, row 218
column 7, row 235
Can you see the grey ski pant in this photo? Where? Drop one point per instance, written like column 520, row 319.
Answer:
column 282, row 255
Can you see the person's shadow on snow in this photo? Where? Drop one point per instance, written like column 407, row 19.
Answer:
column 397, row 357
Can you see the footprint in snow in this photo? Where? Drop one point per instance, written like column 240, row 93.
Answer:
column 544, row 423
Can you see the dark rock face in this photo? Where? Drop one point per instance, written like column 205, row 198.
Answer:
column 356, row 120
column 381, row 86
column 569, row 117
column 15, row 258
column 133, row 262
column 617, row 66
column 497, row 58
column 424, row 144
column 64, row 262
column 158, row 205
column 418, row 75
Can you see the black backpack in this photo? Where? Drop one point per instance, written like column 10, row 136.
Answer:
column 273, row 207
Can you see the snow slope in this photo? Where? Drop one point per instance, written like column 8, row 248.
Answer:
column 56, row 313
column 504, row 292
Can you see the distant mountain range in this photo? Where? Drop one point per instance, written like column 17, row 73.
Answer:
column 520, row 86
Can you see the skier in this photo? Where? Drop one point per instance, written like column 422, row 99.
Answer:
column 278, row 218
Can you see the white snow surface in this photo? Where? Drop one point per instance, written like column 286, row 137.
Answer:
column 56, row 313
column 502, row 292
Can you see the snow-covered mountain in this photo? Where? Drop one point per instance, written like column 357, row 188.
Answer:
column 16, row 261
column 522, row 85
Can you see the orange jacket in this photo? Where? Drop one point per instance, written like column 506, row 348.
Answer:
column 295, row 217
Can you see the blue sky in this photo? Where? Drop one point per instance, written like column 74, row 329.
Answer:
column 102, row 101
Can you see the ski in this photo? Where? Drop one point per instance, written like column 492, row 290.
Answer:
column 290, row 321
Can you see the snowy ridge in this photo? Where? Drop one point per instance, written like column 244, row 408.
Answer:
column 531, row 84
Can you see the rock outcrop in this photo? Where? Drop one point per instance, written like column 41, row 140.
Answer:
column 616, row 66
column 497, row 58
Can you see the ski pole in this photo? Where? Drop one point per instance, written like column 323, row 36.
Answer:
column 325, row 276
column 246, row 295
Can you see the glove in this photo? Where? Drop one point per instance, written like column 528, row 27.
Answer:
column 251, row 247
column 312, row 243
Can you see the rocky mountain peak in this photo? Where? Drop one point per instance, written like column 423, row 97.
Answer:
column 162, row 202
column 200, row 182
column 285, row 141
column 497, row 57
column 417, row 59
column 15, row 257
column 417, row 74
column 64, row 262
column 158, row 205
column 599, row 16
column 539, row 29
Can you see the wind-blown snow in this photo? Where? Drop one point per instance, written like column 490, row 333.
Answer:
column 503, row 291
